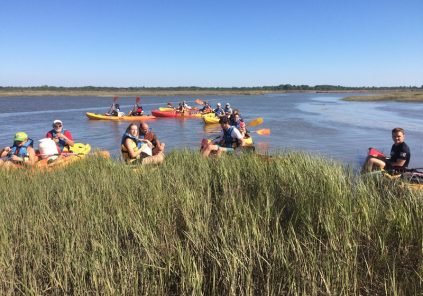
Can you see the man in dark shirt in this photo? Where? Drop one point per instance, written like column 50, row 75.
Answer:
column 400, row 154
column 147, row 134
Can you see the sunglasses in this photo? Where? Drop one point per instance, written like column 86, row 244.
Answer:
column 58, row 125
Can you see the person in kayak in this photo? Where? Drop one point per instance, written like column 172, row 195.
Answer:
column 399, row 157
column 62, row 137
column 219, row 110
column 146, row 134
column 183, row 107
column 230, row 139
column 235, row 119
column 114, row 110
column 20, row 153
column 228, row 109
column 137, row 109
column 206, row 108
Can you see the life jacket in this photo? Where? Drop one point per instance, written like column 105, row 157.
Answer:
column 229, row 142
column 219, row 111
column 21, row 151
column 134, row 144
column 62, row 143
column 139, row 109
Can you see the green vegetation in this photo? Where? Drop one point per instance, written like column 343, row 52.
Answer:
column 406, row 96
column 291, row 225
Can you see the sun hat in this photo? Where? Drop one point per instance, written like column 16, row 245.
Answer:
column 57, row 121
column 20, row 137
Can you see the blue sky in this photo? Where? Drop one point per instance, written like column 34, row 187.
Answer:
column 211, row 43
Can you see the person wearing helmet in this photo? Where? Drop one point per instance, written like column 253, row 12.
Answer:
column 228, row 109
column 20, row 153
column 62, row 137
column 219, row 110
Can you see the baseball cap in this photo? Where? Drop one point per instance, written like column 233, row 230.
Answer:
column 219, row 104
column 57, row 121
column 20, row 137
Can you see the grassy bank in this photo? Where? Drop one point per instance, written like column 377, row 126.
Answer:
column 414, row 96
column 295, row 225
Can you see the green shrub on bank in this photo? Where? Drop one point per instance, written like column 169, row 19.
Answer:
column 295, row 225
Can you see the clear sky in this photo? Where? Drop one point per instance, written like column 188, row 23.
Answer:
column 211, row 43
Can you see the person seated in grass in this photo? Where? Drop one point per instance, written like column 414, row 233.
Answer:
column 399, row 158
column 146, row 134
column 62, row 137
column 230, row 139
column 136, row 150
column 20, row 153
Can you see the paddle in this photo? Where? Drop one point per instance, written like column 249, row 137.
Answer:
column 199, row 102
column 262, row 132
column 255, row 122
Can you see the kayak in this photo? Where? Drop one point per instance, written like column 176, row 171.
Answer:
column 175, row 113
column 166, row 109
column 96, row 116
column 77, row 152
column 211, row 119
column 65, row 159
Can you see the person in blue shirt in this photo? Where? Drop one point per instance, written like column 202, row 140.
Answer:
column 219, row 110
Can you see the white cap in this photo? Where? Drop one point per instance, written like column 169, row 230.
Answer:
column 57, row 121
column 219, row 104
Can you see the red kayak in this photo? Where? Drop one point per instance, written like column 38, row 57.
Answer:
column 174, row 113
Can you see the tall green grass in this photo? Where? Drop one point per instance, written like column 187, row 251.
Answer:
column 293, row 225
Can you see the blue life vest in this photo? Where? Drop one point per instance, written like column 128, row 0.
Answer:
column 126, row 136
column 227, row 138
column 61, row 143
column 219, row 111
column 21, row 151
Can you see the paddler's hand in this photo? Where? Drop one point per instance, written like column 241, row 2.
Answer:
column 16, row 158
column 7, row 149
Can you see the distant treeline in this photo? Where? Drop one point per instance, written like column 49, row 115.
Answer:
column 282, row 87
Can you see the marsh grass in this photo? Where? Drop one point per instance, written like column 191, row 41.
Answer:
column 402, row 96
column 293, row 224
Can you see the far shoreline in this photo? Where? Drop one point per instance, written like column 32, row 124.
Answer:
column 159, row 92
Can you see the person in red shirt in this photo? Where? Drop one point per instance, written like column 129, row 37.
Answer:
column 62, row 137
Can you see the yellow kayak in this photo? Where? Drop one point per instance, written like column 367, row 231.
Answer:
column 211, row 119
column 96, row 116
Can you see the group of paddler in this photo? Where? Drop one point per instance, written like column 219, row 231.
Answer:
column 22, row 152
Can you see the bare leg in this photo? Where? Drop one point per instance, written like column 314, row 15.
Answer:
column 155, row 159
column 373, row 162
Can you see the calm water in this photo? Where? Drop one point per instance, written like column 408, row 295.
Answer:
column 317, row 123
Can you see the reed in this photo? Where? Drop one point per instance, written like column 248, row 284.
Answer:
column 293, row 224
